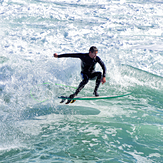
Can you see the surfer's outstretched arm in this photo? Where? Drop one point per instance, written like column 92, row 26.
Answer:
column 73, row 55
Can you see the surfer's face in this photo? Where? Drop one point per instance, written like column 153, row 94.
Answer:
column 93, row 55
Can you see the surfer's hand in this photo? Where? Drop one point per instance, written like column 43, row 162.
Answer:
column 55, row 55
column 103, row 80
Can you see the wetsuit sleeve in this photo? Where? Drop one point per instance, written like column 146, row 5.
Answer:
column 72, row 55
column 103, row 66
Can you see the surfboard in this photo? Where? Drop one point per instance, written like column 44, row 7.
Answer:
column 91, row 98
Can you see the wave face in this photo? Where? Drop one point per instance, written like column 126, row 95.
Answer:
column 35, row 127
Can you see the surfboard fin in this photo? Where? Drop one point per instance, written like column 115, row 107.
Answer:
column 68, row 101
column 72, row 101
column 63, row 100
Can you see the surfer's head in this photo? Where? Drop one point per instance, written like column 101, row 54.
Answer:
column 92, row 49
column 93, row 52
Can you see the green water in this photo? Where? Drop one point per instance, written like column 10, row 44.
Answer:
column 35, row 127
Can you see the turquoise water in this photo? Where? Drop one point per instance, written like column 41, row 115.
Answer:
column 35, row 127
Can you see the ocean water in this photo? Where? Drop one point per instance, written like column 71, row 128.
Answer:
column 35, row 127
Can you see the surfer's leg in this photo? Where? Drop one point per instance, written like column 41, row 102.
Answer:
column 81, row 85
column 98, row 76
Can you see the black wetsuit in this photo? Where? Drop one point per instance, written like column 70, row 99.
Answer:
column 88, row 69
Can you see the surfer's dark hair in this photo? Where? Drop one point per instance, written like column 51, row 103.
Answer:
column 92, row 49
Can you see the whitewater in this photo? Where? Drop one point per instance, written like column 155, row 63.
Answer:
column 35, row 127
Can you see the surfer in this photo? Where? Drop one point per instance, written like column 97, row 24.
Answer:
column 88, row 62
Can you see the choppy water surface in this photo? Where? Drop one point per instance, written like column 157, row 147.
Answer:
column 35, row 127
